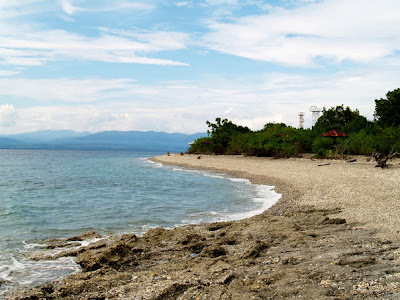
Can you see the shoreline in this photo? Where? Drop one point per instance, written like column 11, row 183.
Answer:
column 307, row 245
column 361, row 192
column 283, row 187
column 252, row 180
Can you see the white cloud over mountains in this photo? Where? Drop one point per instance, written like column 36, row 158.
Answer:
column 8, row 115
column 96, row 104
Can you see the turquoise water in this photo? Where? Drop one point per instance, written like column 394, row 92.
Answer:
column 58, row 194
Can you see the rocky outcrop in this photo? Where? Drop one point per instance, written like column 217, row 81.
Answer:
column 300, row 254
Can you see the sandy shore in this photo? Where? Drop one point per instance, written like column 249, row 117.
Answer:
column 333, row 235
column 365, row 195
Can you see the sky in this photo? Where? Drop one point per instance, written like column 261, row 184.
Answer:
column 97, row 65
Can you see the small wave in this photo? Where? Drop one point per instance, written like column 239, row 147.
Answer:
column 153, row 163
column 214, row 175
column 204, row 173
column 24, row 272
column 180, row 169
column 241, row 180
column 32, row 246
column 40, row 272
column 88, row 242
column 202, row 217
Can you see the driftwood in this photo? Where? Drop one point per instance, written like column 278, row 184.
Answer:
column 381, row 162
column 351, row 160
column 327, row 164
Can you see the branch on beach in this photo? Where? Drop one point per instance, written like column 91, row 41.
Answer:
column 339, row 151
column 381, row 162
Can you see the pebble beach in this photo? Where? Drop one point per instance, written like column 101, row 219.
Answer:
column 364, row 194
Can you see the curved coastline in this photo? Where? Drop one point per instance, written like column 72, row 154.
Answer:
column 361, row 192
column 289, row 192
column 314, row 243
column 270, row 184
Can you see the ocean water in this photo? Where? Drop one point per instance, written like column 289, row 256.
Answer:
column 59, row 194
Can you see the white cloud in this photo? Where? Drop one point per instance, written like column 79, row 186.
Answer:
column 182, row 3
column 36, row 48
column 304, row 33
column 103, row 6
column 30, row 44
column 8, row 73
column 68, row 7
column 130, row 5
column 333, row 30
column 222, row 2
column 156, row 40
column 95, row 104
column 8, row 115
column 11, row 9
column 64, row 90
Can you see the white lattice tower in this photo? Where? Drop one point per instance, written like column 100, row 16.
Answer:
column 301, row 120
column 316, row 113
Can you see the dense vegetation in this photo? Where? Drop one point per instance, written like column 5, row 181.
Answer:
column 279, row 140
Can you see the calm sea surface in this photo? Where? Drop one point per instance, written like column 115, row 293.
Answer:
column 58, row 194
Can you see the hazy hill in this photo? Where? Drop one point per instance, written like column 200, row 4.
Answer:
column 107, row 140
column 134, row 140
column 9, row 143
column 46, row 136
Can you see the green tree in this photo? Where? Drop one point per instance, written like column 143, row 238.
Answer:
column 340, row 118
column 387, row 111
column 277, row 140
column 201, row 145
column 222, row 132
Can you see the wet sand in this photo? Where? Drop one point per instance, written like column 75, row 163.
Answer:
column 332, row 235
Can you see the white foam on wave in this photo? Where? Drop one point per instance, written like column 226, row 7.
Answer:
column 214, row 175
column 25, row 272
column 204, row 173
column 85, row 243
column 153, row 163
column 265, row 197
column 202, row 217
column 241, row 180
column 180, row 169
column 32, row 246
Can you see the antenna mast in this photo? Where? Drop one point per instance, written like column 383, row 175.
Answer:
column 301, row 120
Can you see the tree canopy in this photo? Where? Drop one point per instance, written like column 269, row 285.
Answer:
column 387, row 111
column 340, row 118
column 222, row 132
column 280, row 140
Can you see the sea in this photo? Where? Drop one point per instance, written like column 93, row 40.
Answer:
column 51, row 194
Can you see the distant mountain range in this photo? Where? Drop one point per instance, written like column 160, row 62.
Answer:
column 143, row 141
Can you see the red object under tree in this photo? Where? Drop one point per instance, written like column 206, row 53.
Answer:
column 334, row 133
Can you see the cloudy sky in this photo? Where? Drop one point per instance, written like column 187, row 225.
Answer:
column 164, row 65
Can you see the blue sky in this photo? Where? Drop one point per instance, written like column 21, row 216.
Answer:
column 95, row 65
